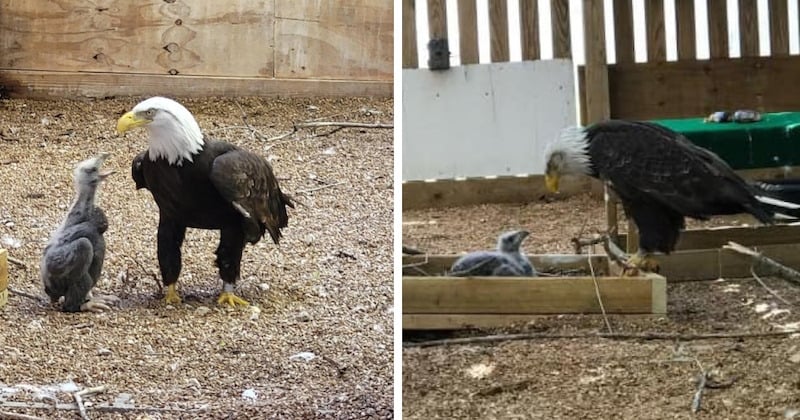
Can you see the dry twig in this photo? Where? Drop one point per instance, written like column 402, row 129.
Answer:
column 500, row 388
column 614, row 336
column 79, row 398
column 698, row 395
column 770, row 291
column 253, row 131
column 338, row 124
column 149, row 273
column 321, row 187
column 17, row 262
column 787, row 273
column 14, row 416
column 599, row 298
column 23, row 294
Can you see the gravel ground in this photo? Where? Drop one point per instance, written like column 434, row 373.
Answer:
column 601, row 378
column 326, row 290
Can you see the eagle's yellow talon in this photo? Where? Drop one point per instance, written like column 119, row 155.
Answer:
column 172, row 295
column 639, row 263
column 230, row 299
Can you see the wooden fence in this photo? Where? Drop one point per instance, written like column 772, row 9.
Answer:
column 196, row 48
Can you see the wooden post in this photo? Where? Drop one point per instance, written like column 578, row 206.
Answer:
column 748, row 28
column 468, row 31
column 3, row 277
column 654, row 22
column 597, row 102
column 718, row 28
column 684, row 14
column 559, row 13
column 410, row 59
column 623, row 27
column 498, row 30
column 529, row 28
column 779, row 27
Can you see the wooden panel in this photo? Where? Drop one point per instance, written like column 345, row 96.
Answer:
column 505, row 189
column 623, row 26
column 507, row 295
column 779, row 27
column 155, row 37
column 468, row 31
column 559, row 12
column 498, row 30
column 597, row 106
column 3, row 277
column 435, row 265
column 761, row 83
column 711, row 264
column 747, row 236
column 718, row 28
column 33, row 84
column 437, row 19
column 748, row 27
column 463, row 321
column 346, row 39
column 684, row 15
column 529, row 28
column 654, row 22
column 410, row 53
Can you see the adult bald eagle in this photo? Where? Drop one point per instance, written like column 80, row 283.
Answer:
column 202, row 183
column 660, row 177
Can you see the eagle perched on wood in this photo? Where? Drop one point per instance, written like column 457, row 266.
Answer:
column 202, row 183
column 660, row 177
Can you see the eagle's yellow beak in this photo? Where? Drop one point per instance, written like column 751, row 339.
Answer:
column 130, row 121
column 551, row 180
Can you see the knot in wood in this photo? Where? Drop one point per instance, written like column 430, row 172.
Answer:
column 173, row 71
column 172, row 47
column 178, row 22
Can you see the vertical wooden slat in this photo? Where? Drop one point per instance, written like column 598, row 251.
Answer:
column 597, row 102
column 623, row 26
column 684, row 14
column 718, row 28
column 410, row 58
column 779, row 27
column 468, row 31
column 559, row 13
column 529, row 28
column 748, row 27
column 654, row 22
column 437, row 19
column 498, row 30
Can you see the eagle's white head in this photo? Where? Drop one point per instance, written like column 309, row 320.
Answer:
column 566, row 155
column 174, row 133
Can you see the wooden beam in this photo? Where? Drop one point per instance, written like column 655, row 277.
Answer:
column 529, row 28
column 3, row 277
column 559, row 14
column 597, row 105
column 498, row 30
column 436, row 265
column 718, row 28
column 745, row 235
column 519, row 295
column 410, row 55
column 464, row 321
column 46, row 84
column 623, row 27
column 684, row 15
column 654, row 22
column 748, row 28
column 709, row 264
column 468, row 31
column 779, row 27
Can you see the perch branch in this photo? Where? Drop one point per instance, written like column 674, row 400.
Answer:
column 770, row 291
column 580, row 243
column 79, row 398
column 14, row 416
column 614, row 336
column 787, row 273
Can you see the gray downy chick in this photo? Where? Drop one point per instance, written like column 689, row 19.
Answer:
column 507, row 260
column 73, row 257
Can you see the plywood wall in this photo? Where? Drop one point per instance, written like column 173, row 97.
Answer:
column 263, row 41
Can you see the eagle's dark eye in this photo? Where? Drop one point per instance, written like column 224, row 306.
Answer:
column 150, row 112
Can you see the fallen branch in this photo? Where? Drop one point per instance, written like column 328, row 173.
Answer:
column 776, row 268
column 614, row 336
column 321, row 187
column 770, row 291
column 411, row 251
column 253, row 131
column 15, row 416
column 698, row 395
column 616, row 254
column 342, row 124
column 580, row 243
column 79, row 398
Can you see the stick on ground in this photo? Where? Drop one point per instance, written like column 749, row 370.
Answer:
column 776, row 268
column 14, row 416
column 79, row 398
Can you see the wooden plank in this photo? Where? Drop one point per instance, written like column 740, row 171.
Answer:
column 718, row 28
column 684, row 15
column 498, row 30
column 597, row 105
column 437, row 19
column 504, row 189
column 654, row 23
column 45, row 84
column 709, row 264
column 410, row 53
column 468, row 31
column 136, row 37
column 559, row 14
column 779, row 27
column 464, row 321
column 346, row 39
column 623, row 27
column 746, row 235
column 748, row 28
column 3, row 277
column 704, row 87
column 435, row 265
column 529, row 28
column 519, row 295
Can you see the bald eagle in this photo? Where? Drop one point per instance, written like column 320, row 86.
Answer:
column 660, row 177
column 202, row 183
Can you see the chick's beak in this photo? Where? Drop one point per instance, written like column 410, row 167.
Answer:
column 130, row 121
column 101, row 158
column 551, row 181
